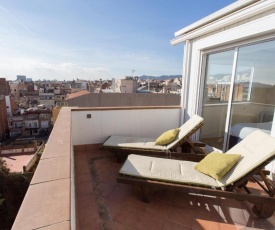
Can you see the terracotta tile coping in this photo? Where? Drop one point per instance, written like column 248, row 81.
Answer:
column 49, row 201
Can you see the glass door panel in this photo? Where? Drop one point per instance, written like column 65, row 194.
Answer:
column 253, row 100
column 216, row 96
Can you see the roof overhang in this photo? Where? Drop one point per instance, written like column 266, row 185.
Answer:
column 236, row 11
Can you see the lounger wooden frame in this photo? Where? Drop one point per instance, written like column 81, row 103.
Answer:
column 121, row 153
column 264, row 206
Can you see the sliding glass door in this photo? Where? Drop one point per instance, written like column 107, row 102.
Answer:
column 239, row 94
column 254, row 91
column 216, row 96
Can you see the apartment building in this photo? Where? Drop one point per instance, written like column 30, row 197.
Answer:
column 4, row 87
column 16, row 125
column 21, row 78
column 47, row 99
column 4, row 128
column 127, row 85
column 31, row 122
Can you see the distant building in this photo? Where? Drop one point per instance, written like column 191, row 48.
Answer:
column 16, row 125
column 22, row 78
column 66, row 89
column 127, row 85
column 172, row 86
column 32, row 122
column 59, row 97
column 83, row 84
column 10, row 105
column 4, row 128
column 4, row 87
column 76, row 94
column 32, row 99
column 47, row 99
column 76, row 86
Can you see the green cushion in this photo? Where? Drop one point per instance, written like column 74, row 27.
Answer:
column 217, row 164
column 167, row 137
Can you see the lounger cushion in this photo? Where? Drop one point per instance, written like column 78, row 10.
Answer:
column 255, row 149
column 217, row 164
column 164, row 169
column 122, row 142
column 167, row 137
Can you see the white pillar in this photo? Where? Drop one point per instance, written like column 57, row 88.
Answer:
column 271, row 165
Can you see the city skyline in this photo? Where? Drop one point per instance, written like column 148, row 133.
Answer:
column 94, row 39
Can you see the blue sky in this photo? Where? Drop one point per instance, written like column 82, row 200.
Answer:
column 93, row 39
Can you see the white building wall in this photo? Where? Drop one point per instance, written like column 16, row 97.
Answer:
column 238, row 35
column 131, row 122
column 125, row 86
column 8, row 104
column 118, row 86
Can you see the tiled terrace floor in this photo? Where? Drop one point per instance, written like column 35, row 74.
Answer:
column 102, row 203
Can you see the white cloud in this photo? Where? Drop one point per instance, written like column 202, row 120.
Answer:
column 40, row 70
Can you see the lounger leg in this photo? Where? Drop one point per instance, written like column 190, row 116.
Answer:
column 263, row 210
column 120, row 158
column 146, row 194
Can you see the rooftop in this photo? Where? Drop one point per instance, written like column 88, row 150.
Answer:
column 15, row 162
column 74, row 186
column 77, row 94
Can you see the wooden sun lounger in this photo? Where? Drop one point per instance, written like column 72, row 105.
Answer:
column 122, row 145
column 257, row 150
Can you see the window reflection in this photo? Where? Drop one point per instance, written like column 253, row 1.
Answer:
column 253, row 97
column 259, row 94
column 216, row 95
column 218, row 76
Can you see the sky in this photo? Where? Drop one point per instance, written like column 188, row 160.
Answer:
column 95, row 39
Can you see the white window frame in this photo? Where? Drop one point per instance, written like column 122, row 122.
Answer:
column 256, row 31
column 233, row 75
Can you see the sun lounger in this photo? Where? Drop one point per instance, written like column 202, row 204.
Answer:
column 122, row 145
column 256, row 151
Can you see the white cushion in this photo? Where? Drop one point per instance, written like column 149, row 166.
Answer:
column 255, row 149
column 133, row 142
column 166, row 170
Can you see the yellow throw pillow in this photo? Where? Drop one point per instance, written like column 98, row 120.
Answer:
column 217, row 164
column 167, row 137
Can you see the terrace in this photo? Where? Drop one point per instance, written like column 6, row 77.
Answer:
column 74, row 186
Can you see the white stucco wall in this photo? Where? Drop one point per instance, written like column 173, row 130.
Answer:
column 129, row 122
column 8, row 104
